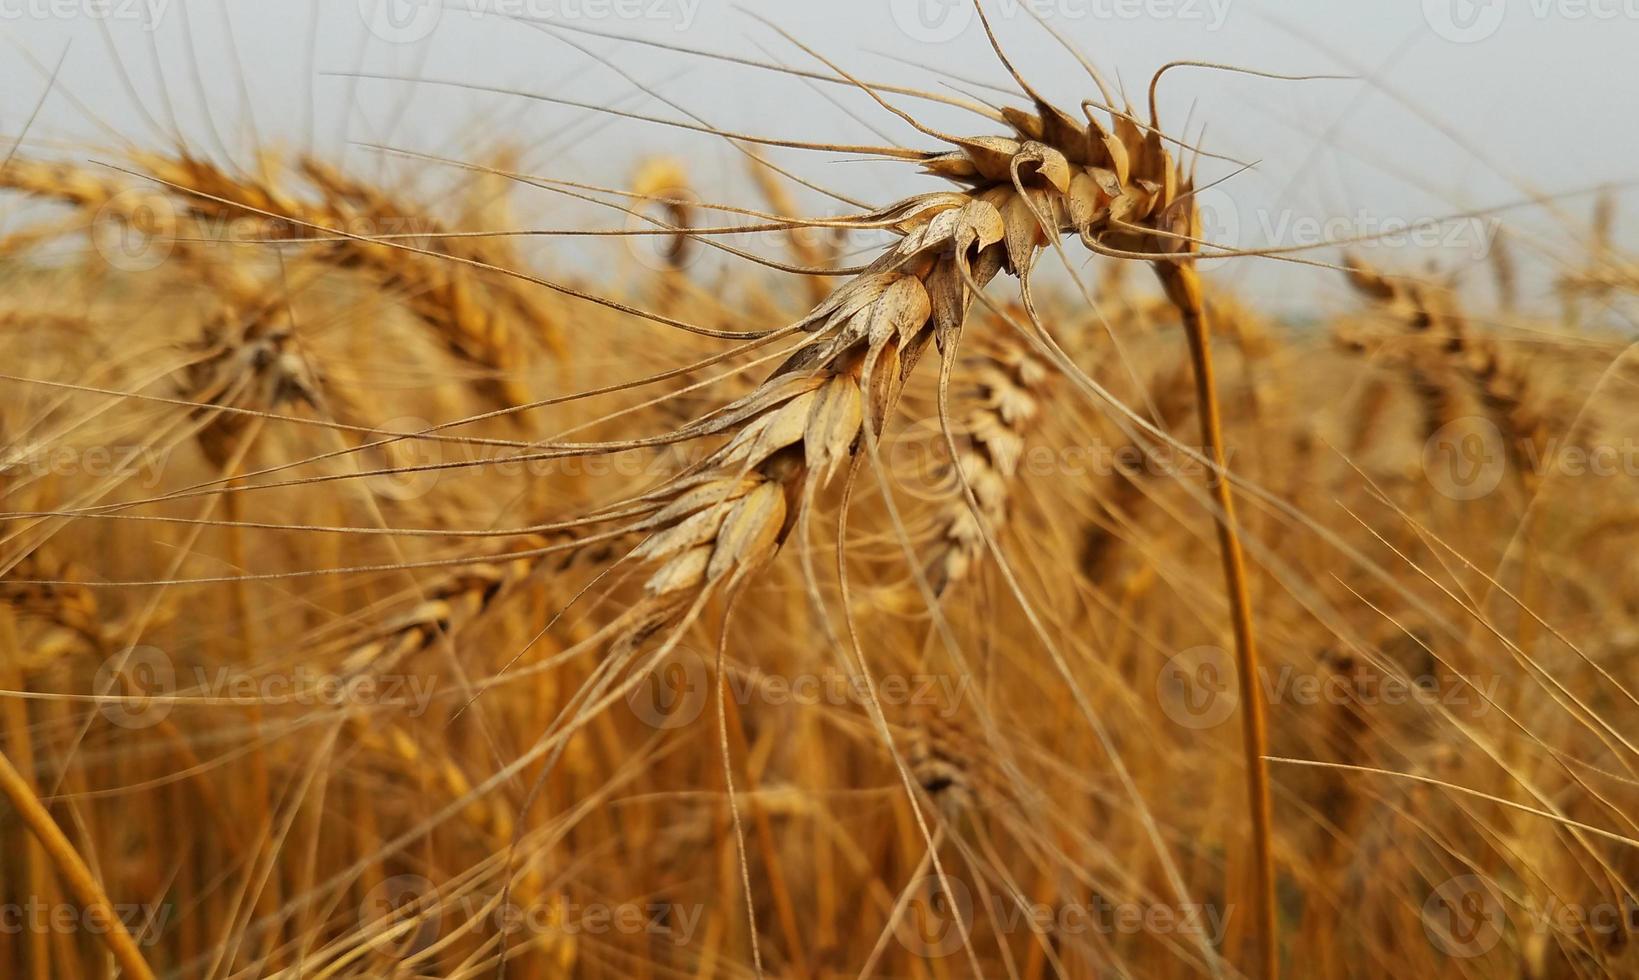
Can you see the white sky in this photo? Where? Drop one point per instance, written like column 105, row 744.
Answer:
column 1535, row 95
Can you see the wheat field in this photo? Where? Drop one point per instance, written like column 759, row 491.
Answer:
column 985, row 581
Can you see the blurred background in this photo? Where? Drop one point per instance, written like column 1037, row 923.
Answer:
column 1455, row 105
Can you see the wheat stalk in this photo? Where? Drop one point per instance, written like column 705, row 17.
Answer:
column 72, row 868
column 1184, row 288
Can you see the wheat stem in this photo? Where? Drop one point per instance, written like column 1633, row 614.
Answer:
column 73, row 870
column 1183, row 286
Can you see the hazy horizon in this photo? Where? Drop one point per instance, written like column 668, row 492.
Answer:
column 1334, row 158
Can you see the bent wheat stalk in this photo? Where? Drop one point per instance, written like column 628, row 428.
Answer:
column 1183, row 287
column 74, row 872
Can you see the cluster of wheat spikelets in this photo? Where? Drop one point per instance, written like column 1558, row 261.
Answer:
column 375, row 603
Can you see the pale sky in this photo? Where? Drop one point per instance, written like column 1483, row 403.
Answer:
column 1460, row 104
